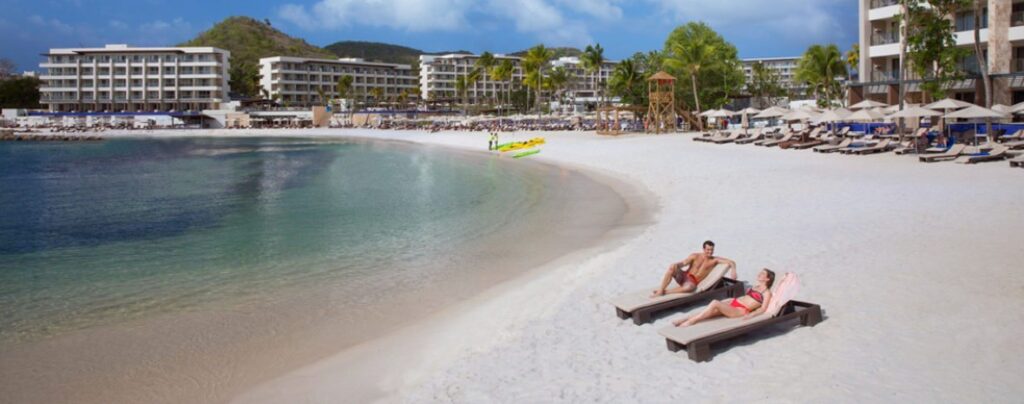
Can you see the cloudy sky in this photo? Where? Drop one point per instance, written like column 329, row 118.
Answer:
column 758, row 28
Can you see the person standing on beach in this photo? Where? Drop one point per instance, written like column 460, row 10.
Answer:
column 493, row 143
column 699, row 265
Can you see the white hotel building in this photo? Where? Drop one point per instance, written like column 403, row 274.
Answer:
column 294, row 81
column 1002, row 36
column 439, row 72
column 785, row 67
column 119, row 78
column 584, row 85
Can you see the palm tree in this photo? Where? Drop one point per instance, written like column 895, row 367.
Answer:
column 558, row 79
column 460, row 87
column 534, row 62
column 484, row 64
column 502, row 72
column 378, row 95
column 626, row 79
column 322, row 94
column 818, row 68
column 344, row 88
column 691, row 57
column 592, row 60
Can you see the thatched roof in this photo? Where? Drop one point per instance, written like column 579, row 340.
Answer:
column 661, row 76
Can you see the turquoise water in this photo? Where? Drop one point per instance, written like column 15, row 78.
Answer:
column 108, row 232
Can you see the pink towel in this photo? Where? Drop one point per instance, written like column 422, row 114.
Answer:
column 784, row 290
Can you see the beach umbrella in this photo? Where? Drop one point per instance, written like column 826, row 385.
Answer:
column 1004, row 109
column 773, row 112
column 866, row 115
column 721, row 113
column 948, row 103
column 868, row 104
column 799, row 115
column 832, row 116
column 745, row 113
column 707, row 113
column 976, row 113
column 1017, row 108
column 914, row 112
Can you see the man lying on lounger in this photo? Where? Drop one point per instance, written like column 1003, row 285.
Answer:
column 699, row 265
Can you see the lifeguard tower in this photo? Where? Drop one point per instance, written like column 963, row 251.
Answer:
column 661, row 111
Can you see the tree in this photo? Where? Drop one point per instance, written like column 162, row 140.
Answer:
column 461, row 84
column 322, row 94
column 19, row 92
column 534, row 62
column 484, row 64
column 983, row 67
column 344, row 90
column 853, row 57
column 765, row 85
column 819, row 67
column 557, row 81
column 592, row 60
column 7, row 68
column 931, row 44
column 502, row 72
column 627, row 82
column 245, row 79
column 378, row 95
column 697, row 54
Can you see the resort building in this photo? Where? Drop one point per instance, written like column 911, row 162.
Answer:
column 119, row 78
column 583, row 86
column 438, row 74
column 785, row 67
column 1002, row 35
column 295, row 81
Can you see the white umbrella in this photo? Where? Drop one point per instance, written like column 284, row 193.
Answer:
column 721, row 113
column 868, row 104
column 976, row 112
column 833, row 115
column 1017, row 108
column 745, row 113
column 1005, row 109
column 948, row 103
column 914, row 112
column 799, row 115
column 866, row 115
column 772, row 112
column 708, row 112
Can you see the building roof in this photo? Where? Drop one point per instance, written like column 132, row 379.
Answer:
column 121, row 48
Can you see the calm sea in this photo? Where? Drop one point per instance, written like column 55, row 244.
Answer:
column 108, row 232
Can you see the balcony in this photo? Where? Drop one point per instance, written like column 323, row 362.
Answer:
column 1017, row 19
column 883, row 3
column 885, row 38
column 1017, row 65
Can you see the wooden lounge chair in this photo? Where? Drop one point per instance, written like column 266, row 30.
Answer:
column 711, row 136
column 1019, row 144
column 832, row 148
column 883, row 146
column 755, row 137
column 817, row 138
column 772, row 143
column 1015, row 136
column 950, row 154
column 728, row 139
column 774, row 138
column 697, row 339
column 641, row 306
column 998, row 152
column 1017, row 161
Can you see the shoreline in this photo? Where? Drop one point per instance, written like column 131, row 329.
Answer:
column 412, row 346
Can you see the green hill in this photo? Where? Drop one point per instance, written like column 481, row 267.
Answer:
column 249, row 40
column 380, row 52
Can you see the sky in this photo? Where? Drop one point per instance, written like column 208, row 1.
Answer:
column 758, row 28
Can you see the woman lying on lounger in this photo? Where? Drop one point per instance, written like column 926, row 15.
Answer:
column 746, row 306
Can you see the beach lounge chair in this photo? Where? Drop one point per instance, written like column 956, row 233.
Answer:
column 697, row 339
column 772, row 143
column 755, row 137
column 882, row 146
column 711, row 136
column 1015, row 136
column 775, row 137
column 998, row 152
column 1017, row 161
column 1019, row 144
column 641, row 306
column 728, row 139
column 817, row 138
column 950, row 154
column 832, row 148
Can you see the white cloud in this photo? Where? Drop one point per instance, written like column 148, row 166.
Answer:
column 540, row 18
column 787, row 18
column 118, row 25
column 411, row 15
column 53, row 24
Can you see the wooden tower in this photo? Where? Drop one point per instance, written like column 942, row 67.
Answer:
column 661, row 112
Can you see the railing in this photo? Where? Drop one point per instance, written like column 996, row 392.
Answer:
column 883, row 3
column 883, row 38
column 1017, row 65
column 879, row 75
column 1017, row 18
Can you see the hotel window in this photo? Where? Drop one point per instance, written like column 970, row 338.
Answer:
column 169, row 95
column 169, row 70
column 136, row 70
column 152, row 95
column 152, row 82
column 153, row 58
column 104, row 95
column 136, row 95
column 170, row 58
column 119, row 71
column 169, row 82
column 88, row 59
column 136, row 82
column 87, row 83
column 86, row 70
column 119, row 83
column 120, row 59
column 153, row 70
column 104, row 83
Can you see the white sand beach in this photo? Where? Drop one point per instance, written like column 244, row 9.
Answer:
column 915, row 265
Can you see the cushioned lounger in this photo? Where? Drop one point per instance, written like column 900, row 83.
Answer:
column 697, row 339
column 640, row 305
column 829, row 149
column 950, row 154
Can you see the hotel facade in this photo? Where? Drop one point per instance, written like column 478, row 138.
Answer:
column 119, row 78
column 1002, row 37
column 294, row 81
column 784, row 67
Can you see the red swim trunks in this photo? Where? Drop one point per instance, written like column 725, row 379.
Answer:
column 683, row 276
